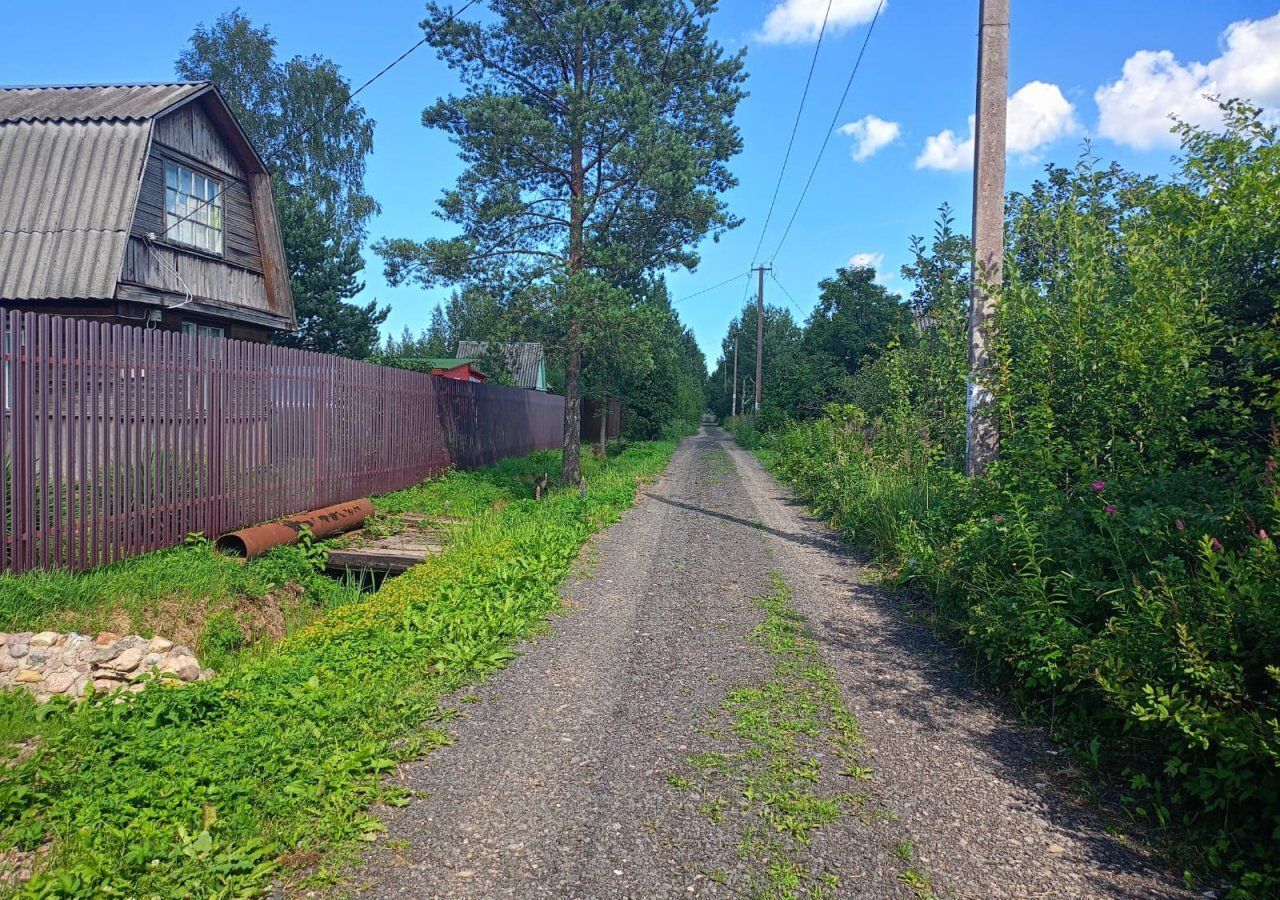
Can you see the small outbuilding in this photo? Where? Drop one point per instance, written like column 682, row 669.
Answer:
column 141, row 204
column 457, row 369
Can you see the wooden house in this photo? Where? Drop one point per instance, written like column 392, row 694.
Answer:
column 142, row 204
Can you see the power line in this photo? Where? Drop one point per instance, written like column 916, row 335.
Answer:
column 710, row 289
column 267, row 157
column 787, row 293
column 830, row 131
column 794, row 128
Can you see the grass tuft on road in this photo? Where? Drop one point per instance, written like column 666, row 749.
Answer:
column 217, row 788
column 769, row 777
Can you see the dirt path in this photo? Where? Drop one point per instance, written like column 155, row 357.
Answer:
column 660, row 743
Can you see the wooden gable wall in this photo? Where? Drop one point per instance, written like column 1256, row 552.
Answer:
column 187, row 136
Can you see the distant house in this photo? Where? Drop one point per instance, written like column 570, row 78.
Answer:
column 140, row 204
column 457, row 369
column 525, row 360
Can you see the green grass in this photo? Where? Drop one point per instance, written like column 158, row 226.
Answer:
column 190, row 594
column 769, row 771
column 215, row 789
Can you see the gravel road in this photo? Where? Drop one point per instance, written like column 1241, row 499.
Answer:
column 563, row 777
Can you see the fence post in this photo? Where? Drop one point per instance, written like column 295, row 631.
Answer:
column 320, row 425
column 21, row 496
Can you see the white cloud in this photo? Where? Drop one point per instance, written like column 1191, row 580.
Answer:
column 871, row 261
column 1038, row 115
column 1153, row 85
column 799, row 21
column 871, row 134
column 947, row 151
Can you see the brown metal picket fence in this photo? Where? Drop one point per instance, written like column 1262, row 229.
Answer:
column 119, row 440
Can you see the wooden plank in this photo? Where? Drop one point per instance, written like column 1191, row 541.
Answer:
column 392, row 561
column 274, row 270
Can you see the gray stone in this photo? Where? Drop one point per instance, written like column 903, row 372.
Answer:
column 126, row 661
column 38, row 656
column 17, row 649
column 189, row 673
column 104, row 654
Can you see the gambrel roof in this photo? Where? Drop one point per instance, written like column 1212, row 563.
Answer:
column 71, row 163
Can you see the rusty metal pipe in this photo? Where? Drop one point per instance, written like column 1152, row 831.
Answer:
column 323, row 523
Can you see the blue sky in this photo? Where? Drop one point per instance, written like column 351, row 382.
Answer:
column 1110, row 71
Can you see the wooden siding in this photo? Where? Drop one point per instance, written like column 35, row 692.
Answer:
column 182, row 273
column 188, row 130
column 240, row 231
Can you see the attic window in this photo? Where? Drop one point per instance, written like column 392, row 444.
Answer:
column 192, row 208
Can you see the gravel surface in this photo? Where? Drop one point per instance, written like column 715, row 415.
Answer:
column 559, row 783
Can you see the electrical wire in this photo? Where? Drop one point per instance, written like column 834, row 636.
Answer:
column 712, row 288
column 787, row 293
column 830, row 131
column 795, row 126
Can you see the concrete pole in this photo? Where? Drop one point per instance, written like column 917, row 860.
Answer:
column 760, row 335
column 982, row 432
column 734, row 407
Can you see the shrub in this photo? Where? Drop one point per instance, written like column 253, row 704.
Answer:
column 1116, row 570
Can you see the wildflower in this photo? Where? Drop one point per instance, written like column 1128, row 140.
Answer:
column 1099, row 487
column 997, row 518
column 1110, row 510
column 1216, row 545
column 1271, row 464
column 1180, row 525
column 1262, row 534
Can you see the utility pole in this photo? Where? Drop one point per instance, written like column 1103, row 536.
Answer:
column 734, row 407
column 982, row 435
column 760, row 332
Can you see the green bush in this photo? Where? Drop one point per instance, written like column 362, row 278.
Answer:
column 1116, row 570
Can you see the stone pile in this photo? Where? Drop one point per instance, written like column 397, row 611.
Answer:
column 49, row 664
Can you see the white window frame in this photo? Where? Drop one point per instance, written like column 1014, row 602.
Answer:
column 195, row 329
column 192, row 208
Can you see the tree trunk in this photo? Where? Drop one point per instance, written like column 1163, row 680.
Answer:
column 570, row 468
column 604, row 424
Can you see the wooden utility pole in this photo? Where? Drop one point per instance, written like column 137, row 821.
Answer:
column 982, row 432
column 760, row 333
column 734, row 407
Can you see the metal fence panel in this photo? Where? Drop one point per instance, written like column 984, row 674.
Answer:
column 118, row 441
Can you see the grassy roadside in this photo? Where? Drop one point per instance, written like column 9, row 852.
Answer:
column 213, row 789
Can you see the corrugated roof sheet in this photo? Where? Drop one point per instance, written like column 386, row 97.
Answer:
column 92, row 102
column 60, row 264
column 67, row 194
column 524, row 360
column 70, row 162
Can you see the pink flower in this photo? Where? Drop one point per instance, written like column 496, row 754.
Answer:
column 1262, row 534
column 1216, row 545
column 1099, row 487
column 1271, row 465
column 1110, row 510
column 1180, row 525
column 997, row 518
